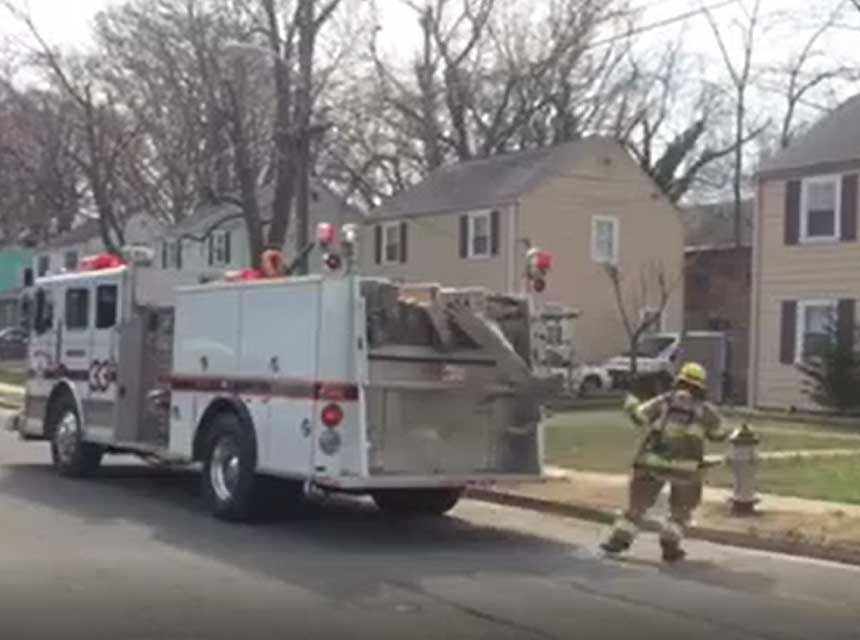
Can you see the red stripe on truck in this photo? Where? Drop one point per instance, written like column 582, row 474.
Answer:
column 270, row 387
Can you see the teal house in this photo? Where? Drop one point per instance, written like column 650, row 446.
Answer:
column 14, row 261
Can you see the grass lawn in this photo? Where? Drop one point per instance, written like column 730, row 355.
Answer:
column 606, row 441
column 13, row 376
column 836, row 479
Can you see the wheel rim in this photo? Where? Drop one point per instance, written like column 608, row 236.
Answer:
column 67, row 437
column 224, row 469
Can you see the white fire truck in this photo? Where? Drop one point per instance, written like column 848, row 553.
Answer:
column 333, row 382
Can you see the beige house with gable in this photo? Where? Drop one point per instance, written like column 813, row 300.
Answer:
column 587, row 202
column 806, row 255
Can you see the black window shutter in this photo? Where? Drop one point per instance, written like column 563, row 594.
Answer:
column 464, row 236
column 845, row 324
column 179, row 253
column 227, row 247
column 377, row 244
column 494, row 233
column 211, row 250
column 404, row 244
column 849, row 207
column 164, row 254
column 788, row 333
column 792, row 211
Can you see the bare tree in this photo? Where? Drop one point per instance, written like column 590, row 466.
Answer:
column 800, row 81
column 641, row 305
column 740, row 74
column 105, row 132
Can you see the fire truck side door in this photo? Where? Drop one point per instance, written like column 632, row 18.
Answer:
column 74, row 338
column 279, row 346
column 106, row 317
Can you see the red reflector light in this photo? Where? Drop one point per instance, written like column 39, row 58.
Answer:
column 543, row 261
column 325, row 233
column 332, row 415
column 539, row 285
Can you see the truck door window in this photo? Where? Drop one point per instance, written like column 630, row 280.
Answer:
column 43, row 318
column 106, row 306
column 77, row 309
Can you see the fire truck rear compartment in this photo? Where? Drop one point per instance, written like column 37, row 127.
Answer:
column 449, row 393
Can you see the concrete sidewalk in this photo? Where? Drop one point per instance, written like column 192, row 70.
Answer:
column 826, row 530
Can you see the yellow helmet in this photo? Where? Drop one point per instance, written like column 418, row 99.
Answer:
column 693, row 374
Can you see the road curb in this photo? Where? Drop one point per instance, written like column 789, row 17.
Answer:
column 717, row 536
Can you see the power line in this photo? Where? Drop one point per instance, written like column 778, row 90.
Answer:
column 660, row 24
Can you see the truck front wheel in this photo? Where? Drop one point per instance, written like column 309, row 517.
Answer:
column 229, row 478
column 71, row 456
column 417, row 502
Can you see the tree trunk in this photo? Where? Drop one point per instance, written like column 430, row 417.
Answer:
column 738, row 169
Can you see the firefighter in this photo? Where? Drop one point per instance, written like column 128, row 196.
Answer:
column 677, row 422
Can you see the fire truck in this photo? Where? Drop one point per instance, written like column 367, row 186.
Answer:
column 323, row 383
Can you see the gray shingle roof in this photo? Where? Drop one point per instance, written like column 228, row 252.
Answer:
column 477, row 183
column 710, row 225
column 834, row 139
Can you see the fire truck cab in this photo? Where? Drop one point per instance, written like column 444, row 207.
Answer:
column 331, row 382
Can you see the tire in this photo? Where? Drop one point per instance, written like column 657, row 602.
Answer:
column 590, row 386
column 231, row 487
column 417, row 502
column 72, row 457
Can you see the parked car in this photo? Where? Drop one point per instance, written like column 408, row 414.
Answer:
column 655, row 356
column 588, row 379
column 13, row 344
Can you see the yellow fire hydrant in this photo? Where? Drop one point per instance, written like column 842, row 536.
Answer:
column 743, row 460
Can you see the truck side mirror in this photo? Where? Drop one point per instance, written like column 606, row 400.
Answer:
column 28, row 277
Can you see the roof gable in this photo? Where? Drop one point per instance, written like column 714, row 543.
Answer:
column 485, row 182
column 833, row 140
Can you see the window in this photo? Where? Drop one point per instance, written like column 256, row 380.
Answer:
column 43, row 265
column 70, row 260
column 43, row 318
column 479, row 235
column 816, row 324
column 219, row 248
column 77, row 309
column 820, row 218
column 171, row 254
column 604, row 239
column 391, row 242
column 107, row 298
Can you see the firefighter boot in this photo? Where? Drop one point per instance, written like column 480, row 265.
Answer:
column 670, row 542
column 621, row 537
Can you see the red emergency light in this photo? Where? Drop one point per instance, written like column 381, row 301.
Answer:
column 325, row 233
column 543, row 261
column 100, row 262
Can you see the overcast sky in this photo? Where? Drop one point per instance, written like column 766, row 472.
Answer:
column 68, row 22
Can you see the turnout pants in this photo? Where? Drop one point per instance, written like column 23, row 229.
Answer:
column 644, row 488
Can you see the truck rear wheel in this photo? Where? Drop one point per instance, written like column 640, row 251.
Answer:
column 417, row 502
column 72, row 457
column 230, row 484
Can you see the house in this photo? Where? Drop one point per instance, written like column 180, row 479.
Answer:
column 65, row 250
column 14, row 263
column 805, row 255
column 189, row 246
column 586, row 202
column 201, row 244
column 718, row 284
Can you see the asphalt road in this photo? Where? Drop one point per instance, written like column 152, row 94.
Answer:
column 132, row 554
